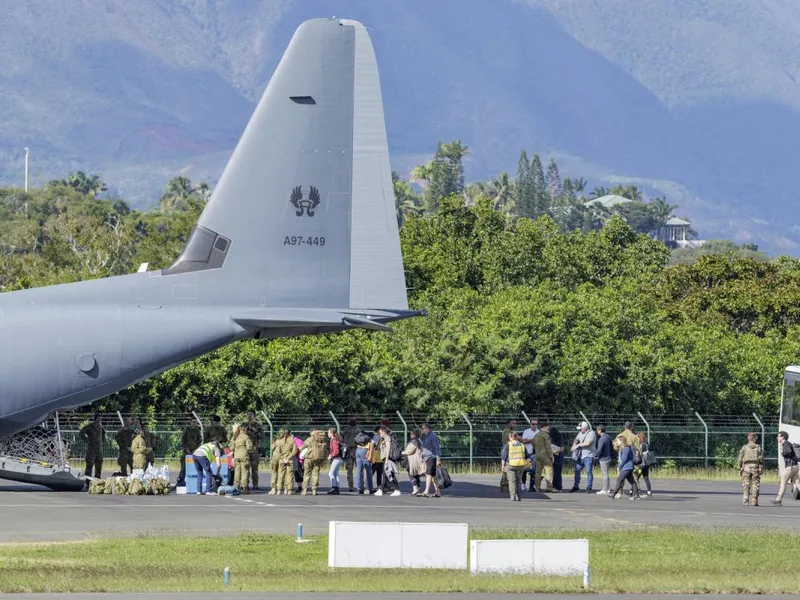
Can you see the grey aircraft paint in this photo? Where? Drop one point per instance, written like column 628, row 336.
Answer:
column 299, row 237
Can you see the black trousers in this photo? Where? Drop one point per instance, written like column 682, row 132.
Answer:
column 558, row 466
column 625, row 476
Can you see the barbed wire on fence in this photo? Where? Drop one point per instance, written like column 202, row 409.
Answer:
column 685, row 439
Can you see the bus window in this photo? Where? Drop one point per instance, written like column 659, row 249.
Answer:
column 790, row 407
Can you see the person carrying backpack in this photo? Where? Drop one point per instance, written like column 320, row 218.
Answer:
column 625, row 469
column 646, row 460
column 390, row 455
column 364, row 447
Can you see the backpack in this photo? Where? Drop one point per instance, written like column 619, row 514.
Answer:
column 362, row 437
column 649, row 458
column 637, row 456
column 394, row 451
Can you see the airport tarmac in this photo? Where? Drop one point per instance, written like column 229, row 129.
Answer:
column 31, row 513
column 357, row 596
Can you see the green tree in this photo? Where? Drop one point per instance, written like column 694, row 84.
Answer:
column 407, row 201
column 553, row 181
column 445, row 173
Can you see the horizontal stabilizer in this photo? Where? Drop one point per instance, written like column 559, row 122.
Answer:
column 273, row 318
column 365, row 323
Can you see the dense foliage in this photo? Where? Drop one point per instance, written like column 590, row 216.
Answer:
column 523, row 313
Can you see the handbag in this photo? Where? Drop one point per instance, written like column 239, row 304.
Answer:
column 443, row 477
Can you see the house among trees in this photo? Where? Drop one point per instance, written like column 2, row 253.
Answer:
column 678, row 233
column 609, row 201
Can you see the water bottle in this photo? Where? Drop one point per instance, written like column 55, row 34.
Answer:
column 226, row 575
column 586, row 577
column 299, row 532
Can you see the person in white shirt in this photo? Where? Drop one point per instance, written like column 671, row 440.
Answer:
column 527, row 439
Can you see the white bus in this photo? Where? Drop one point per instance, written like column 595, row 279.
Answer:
column 790, row 413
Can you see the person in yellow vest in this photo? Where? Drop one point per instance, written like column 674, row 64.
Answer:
column 203, row 457
column 515, row 461
column 242, row 449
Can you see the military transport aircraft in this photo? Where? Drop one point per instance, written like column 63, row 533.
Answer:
column 299, row 237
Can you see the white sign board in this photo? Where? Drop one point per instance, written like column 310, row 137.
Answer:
column 397, row 545
column 539, row 557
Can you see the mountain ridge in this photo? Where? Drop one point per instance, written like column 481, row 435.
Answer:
column 682, row 97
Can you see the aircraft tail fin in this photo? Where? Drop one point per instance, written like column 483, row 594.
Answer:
column 303, row 214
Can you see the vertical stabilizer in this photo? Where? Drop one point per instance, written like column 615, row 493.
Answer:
column 303, row 215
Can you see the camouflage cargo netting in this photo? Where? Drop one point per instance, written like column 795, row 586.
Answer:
column 122, row 486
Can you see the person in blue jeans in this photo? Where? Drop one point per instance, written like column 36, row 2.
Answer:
column 363, row 466
column 203, row 456
column 583, row 449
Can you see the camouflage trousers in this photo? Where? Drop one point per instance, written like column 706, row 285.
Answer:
column 544, row 470
column 311, row 473
column 125, row 462
column 285, row 477
column 349, row 464
column 241, row 474
column 94, row 458
column 751, row 480
column 274, row 465
column 254, row 460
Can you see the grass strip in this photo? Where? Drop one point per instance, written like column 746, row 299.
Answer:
column 645, row 560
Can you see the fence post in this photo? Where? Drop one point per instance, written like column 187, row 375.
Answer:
column 405, row 428
column 526, row 418
column 706, row 428
column 463, row 414
column 646, row 424
column 760, row 424
column 335, row 420
column 60, row 443
column 202, row 429
column 585, row 419
column 266, row 418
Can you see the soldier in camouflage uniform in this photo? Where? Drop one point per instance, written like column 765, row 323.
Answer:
column 150, row 440
column 124, row 440
column 543, row 453
column 285, row 450
column 751, row 466
column 191, row 440
column 257, row 436
column 274, row 466
column 216, row 432
column 139, row 449
column 242, row 449
column 315, row 457
column 93, row 435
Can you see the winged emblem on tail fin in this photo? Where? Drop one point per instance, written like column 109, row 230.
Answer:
column 303, row 205
column 313, row 196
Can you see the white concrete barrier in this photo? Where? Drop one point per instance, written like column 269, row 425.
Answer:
column 397, row 545
column 540, row 557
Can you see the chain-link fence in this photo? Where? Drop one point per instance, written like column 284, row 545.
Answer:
column 683, row 440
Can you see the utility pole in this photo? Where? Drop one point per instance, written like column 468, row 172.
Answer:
column 26, row 170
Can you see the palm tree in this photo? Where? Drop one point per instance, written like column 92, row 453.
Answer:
column 579, row 184
column 421, row 173
column 661, row 212
column 630, row 191
column 500, row 190
column 475, row 190
column 407, row 202
column 599, row 192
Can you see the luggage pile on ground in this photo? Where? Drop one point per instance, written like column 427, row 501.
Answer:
column 153, row 482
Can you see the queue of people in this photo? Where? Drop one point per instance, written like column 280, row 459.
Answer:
column 539, row 453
